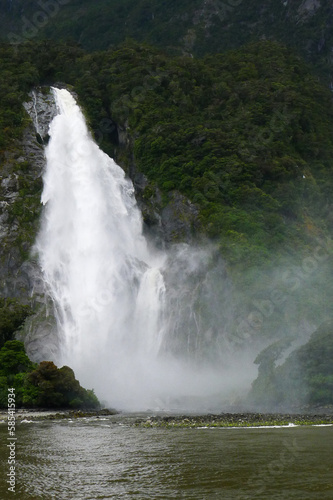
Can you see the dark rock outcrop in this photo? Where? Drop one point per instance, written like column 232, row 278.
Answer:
column 20, row 212
column 171, row 220
column 42, row 109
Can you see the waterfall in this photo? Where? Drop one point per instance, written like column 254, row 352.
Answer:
column 115, row 316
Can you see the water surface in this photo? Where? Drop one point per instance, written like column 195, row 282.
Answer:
column 109, row 458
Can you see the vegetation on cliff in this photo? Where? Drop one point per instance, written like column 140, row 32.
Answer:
column 43, row 385
column 306, row 376
column 181, row 27
column 246, row 136
column 12, row 316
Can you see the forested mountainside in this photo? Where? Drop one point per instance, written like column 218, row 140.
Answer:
column 195, row 27
column 235, row 148
column 246, row 136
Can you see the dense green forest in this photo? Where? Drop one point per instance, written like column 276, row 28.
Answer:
column 36, row 385
column 188, row 27
column 246, row 136
column 43, row 385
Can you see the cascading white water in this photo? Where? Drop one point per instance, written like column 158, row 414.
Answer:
column 93, row 255
column 107, row 286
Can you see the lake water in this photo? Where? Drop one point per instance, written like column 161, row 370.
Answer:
column 99, row 458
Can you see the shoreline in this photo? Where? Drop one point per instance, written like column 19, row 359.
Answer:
column 48, row 414
column 151, row 419
column 244, row 419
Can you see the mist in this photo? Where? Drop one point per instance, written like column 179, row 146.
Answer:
column 148, row 328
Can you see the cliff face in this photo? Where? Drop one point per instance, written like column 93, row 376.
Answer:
column 167, row 221
column 42, row 109
column 191, row 27
column 20, row 189
column 20, row 212
column 304, row 25
column 172, row 219
column 304, row 377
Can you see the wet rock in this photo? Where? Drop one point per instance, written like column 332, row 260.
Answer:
column 179, row 219
column 20, row 211
column 40, row 336
column 42, row 109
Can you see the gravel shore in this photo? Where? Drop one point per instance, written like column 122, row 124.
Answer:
column 31, row 414
column 230, row 419
column 236, row 420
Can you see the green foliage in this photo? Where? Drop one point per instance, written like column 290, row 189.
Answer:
column 243, row 135
column 12, row 316
column 20, row 206
column 305, row 377
column 15, row 78
column 13, row 359
column 58, row 388
column 14, row 366
column 246, row 135
column 43, row 386
column 20, row 71
column 188, row 26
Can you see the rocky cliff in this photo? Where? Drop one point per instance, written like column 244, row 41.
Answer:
column 20, row 189
column 20, row 192
column 21, row 210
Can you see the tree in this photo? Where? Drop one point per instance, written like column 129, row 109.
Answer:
column 59, row 388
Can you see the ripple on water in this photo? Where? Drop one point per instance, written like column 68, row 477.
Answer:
column 89, row 460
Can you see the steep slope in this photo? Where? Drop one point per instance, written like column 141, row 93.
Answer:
column 305, row 377
column 190, row 27
column 239, row 147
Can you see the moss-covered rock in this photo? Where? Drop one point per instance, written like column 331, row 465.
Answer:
column 306, row 376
